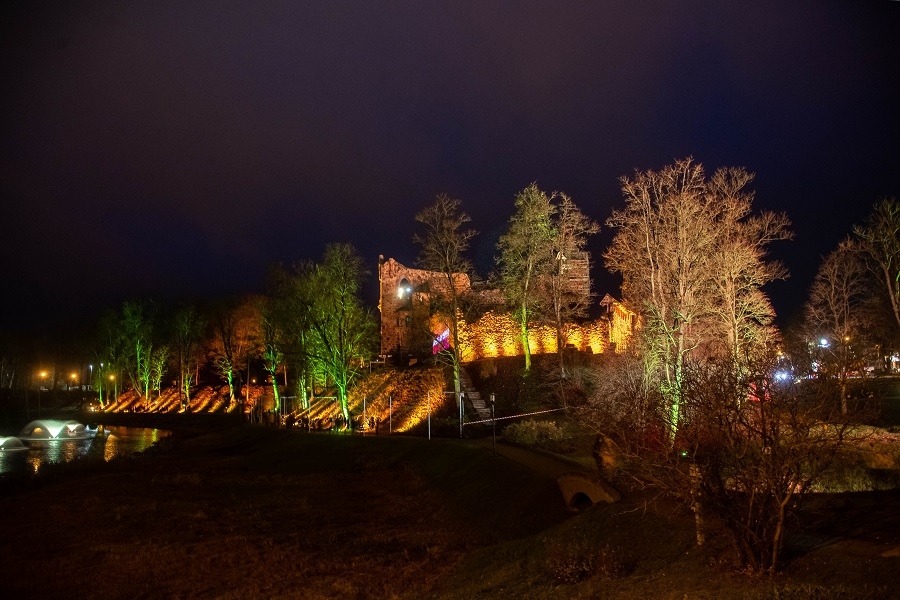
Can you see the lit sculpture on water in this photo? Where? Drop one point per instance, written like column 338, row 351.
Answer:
column 53, row 429
column 11, row 443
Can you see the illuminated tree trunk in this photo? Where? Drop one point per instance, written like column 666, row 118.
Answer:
column 523, row 332
column 229, row 378
column 186, row 381
column 276, row 394
column 272, row 357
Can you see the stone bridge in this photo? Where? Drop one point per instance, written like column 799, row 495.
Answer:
column 580, row 491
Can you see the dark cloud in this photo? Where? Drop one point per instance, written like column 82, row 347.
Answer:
column 177, row 149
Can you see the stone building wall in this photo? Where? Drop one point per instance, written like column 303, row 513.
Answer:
column 495, row 333
column 400, row 288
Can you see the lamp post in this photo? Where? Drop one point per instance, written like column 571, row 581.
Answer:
column 493, row 425
column 847, row 353
column 41, row 385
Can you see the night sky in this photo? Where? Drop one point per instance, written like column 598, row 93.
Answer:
column 177, row 149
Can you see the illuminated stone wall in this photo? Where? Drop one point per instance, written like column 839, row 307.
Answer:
column 399, row 288
column 622, row 322
column 495, row 333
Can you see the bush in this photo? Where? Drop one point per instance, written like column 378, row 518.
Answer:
column 544, row 435
column 850, row 475
column 574, row 560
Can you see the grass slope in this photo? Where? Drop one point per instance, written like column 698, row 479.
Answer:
column 250, row 512
column 262, row 513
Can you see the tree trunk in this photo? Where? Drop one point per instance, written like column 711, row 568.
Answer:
column 526, row 346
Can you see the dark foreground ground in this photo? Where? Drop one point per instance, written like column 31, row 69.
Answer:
column 254, row 513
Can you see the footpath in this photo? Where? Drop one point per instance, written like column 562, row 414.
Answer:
column 544, row 465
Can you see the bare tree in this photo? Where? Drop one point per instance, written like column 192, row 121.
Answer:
column 740, row 265
column 749, row 448
column 235, row 338
column 663, row 248
column 568, row 299
column 834, row 316
column 526, row 257
column 188, row 329
column 443, row 246
column 109, row 351
column 757, row 454
column 693, row 261
column 879, row 242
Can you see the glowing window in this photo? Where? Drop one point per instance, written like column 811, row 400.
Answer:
column 404, row 290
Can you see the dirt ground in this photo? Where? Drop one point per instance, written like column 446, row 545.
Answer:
column 255, row 513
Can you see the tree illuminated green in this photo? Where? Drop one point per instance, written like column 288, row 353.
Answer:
column 526, row 256
column 272, row 355
column 136, row 330
column 663, row 245
column 108, row 350
column 340, row 334
column 159, row 360
column 292, row 292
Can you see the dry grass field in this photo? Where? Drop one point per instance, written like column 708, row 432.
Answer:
column 249, row 512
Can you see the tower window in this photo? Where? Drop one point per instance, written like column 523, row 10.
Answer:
column 404, row 290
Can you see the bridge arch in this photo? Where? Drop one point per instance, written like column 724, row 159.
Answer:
column 580, row 491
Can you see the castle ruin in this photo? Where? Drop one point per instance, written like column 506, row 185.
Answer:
column 409, row 323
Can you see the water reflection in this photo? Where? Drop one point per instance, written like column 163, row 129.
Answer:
column 108, row 443
column 128, row 440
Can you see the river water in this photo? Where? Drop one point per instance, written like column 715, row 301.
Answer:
column 109, row 443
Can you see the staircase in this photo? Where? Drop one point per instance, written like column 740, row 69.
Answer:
column 473, row 395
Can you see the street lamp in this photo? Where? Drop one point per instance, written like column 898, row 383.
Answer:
column 40, row 386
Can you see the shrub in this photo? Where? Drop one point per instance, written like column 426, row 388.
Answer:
column 545, row 435
column 574, row 560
